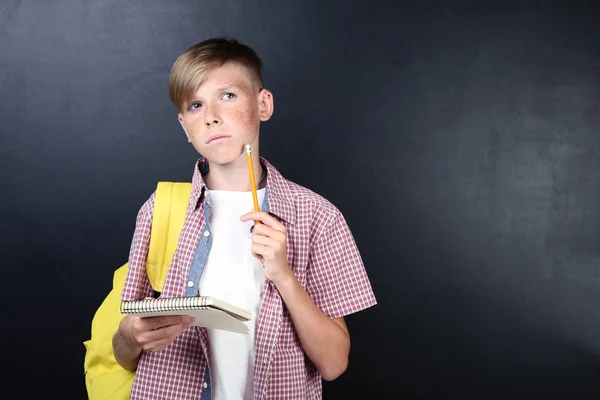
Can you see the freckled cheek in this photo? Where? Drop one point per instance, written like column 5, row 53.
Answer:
column 195, row 125
column 239, row 117
column 244, row 118
column 194, row 130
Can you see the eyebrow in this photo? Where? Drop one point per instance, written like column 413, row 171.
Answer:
column 222, row 88
column 229, row 86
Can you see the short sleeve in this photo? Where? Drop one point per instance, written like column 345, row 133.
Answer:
column 137, row 285
column 336, row 277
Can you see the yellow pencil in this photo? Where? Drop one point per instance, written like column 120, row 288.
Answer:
column 252, row 180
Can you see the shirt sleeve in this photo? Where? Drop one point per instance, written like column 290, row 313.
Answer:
column 336, row 277
column 137, row 285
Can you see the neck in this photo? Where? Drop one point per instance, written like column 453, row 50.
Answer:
column 235, row 176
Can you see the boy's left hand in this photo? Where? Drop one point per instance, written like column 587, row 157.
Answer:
column 269, row 242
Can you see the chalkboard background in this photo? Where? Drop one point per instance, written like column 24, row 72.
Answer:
column 459, row 138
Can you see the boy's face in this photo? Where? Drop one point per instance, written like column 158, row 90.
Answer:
column 225, row 113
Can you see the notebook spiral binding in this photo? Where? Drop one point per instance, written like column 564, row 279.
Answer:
column 169, row 304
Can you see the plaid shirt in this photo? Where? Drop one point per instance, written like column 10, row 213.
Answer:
column 322, row 254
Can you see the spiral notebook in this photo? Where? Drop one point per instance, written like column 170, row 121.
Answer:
column 208, row 311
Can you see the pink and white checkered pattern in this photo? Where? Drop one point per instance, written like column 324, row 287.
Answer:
column 321, row 252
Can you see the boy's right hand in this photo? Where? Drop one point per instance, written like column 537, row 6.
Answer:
column 152, row 333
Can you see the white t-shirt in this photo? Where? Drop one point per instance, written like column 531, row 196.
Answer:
column 234, row 275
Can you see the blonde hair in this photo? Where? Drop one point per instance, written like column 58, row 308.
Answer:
column 193, row 65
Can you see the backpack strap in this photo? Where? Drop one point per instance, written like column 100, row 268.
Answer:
column 170, row 209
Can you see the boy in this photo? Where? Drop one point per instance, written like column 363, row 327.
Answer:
column 294, row 264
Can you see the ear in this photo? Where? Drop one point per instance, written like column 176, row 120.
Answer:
column 265, row 104
column 180, row 119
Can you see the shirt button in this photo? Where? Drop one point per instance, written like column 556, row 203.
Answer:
column 206, row 233
column 190, row 283
column 205, row 385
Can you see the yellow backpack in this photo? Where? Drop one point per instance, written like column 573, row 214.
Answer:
column 104, row 377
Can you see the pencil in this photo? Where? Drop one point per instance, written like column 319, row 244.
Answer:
column 252, row 179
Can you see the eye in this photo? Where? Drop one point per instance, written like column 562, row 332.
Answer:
column 195, row 106
column 228, row 96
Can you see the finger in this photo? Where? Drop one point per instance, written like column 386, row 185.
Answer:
column 152, row 323
column 265, row 230
column 265, row 218
column 259, row 216
column 258, row 256
column 265, row 241
column 266, row 252
column 255, row 215
column 164, row 333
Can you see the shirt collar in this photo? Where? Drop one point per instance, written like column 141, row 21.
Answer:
column 279, row 195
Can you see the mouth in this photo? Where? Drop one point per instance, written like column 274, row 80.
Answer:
column 217, row 139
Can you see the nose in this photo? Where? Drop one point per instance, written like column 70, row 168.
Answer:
column 212, row 116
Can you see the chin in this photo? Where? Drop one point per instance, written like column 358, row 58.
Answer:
column 224, row 156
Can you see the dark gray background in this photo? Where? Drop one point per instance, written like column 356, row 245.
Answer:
column 459, row 139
